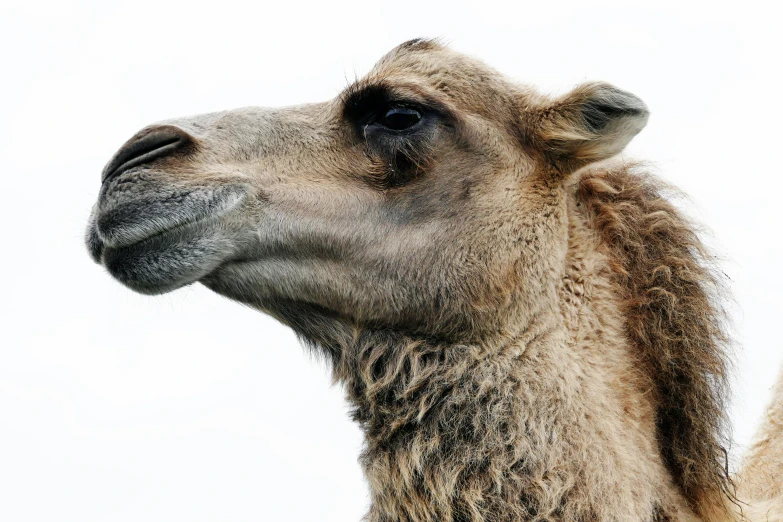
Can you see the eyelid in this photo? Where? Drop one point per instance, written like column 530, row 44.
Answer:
column 379, row 111
column 423, row 111
column 359, row 104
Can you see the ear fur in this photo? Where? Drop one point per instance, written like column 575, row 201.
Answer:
column 593, row 122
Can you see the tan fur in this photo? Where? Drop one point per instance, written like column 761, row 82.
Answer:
column 524, row 330
column 761, row 478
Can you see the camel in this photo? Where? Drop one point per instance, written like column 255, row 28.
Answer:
column 525, row 326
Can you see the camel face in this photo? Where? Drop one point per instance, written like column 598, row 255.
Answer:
column 427, row 197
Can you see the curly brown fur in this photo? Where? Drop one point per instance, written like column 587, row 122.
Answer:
column 671, row 296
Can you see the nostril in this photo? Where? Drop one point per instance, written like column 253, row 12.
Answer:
column 153, row 144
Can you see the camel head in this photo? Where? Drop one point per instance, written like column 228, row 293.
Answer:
column 427, row 197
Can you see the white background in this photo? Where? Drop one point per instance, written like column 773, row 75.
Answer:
column 119, row 407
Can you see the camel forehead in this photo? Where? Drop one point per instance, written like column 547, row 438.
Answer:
column 427, row 62
column 426, row 57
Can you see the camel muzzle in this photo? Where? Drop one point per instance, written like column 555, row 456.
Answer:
column 156, row 225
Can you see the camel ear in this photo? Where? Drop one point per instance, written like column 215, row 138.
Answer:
column 593, row 122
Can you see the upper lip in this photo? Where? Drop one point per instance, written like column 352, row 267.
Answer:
column 128, row 230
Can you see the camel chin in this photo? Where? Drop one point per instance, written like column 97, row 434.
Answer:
column 155, row 242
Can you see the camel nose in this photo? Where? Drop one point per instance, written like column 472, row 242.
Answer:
column 147, row 146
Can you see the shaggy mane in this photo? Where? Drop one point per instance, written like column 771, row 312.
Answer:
column 671, row 294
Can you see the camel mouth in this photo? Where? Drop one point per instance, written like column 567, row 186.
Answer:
column 169, row 260
column 130, row 222
column 157, row 245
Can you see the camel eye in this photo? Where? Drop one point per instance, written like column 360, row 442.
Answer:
column 400, row 118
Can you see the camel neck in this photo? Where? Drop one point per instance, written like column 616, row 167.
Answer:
column 521, row 427
column 399, row 384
